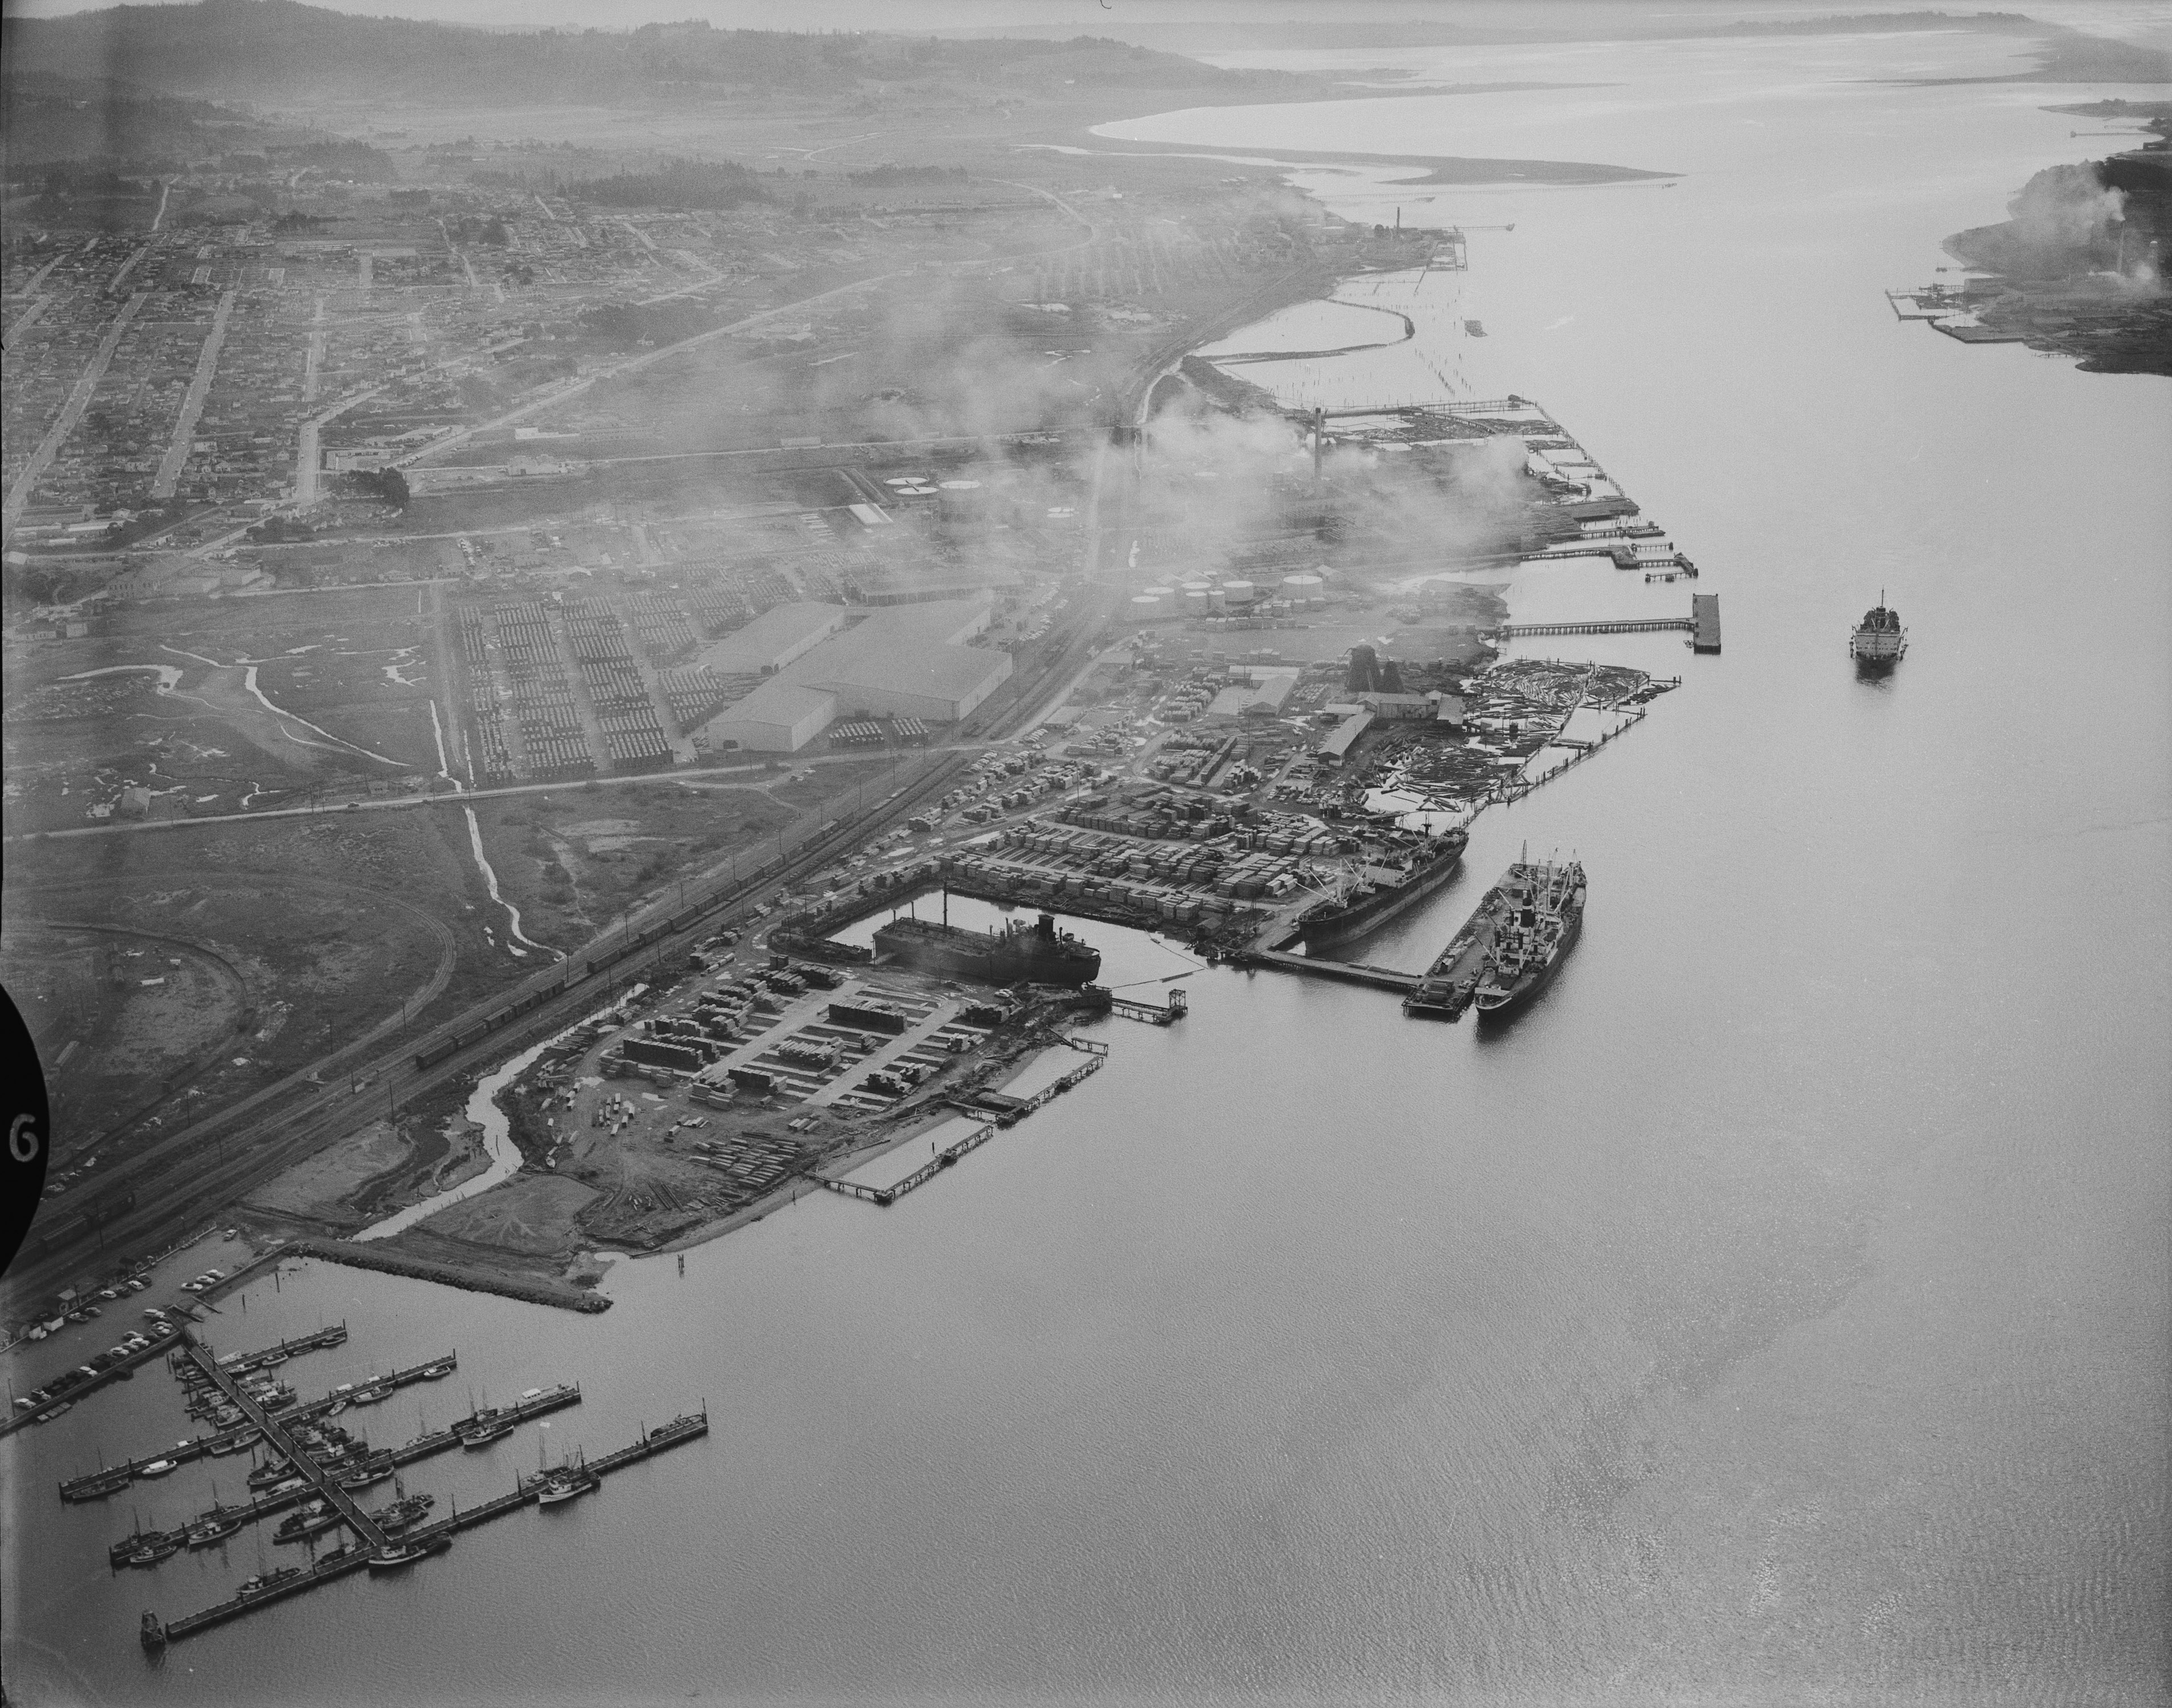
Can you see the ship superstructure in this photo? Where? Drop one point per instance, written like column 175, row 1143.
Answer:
column 1544, row 918
column 1878, row 639
column 1388, row 882
column 1037, row 953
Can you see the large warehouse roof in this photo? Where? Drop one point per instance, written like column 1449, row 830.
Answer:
column 772, row 640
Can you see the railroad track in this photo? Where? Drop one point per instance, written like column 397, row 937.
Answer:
column 279, row 1136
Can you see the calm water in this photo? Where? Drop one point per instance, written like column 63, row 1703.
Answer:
column 1775, row 1314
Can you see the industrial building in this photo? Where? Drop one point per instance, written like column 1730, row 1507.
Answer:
column 902, row 662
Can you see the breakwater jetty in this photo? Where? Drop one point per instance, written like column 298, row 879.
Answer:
column 538, row 1290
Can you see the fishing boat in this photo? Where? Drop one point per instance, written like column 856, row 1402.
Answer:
column 235, row 1442
column 313, row 1520
column 213, row 1530
column 482, row 1436
column 156, row 1548
column 158, row 1468
column 98, row 1487
column 567, row 1483
column 370, row 1473
column 270, row 1472
column 405, row 1553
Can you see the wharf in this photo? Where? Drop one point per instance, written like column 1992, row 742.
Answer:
column 1704, row 607
column 1014, row 1109
column 431, row 1539
column 1451, row 982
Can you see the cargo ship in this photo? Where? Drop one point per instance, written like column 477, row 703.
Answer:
column 1037, row 953
column 1878, row 642
column 1384, row 889
column 1545, row 916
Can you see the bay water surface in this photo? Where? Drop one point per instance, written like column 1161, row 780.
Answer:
column 1775, row 1312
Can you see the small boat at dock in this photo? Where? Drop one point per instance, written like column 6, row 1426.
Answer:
column 405, row 1553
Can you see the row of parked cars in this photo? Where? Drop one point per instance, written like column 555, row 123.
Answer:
column 130, row 1343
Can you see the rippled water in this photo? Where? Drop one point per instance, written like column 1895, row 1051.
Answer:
column 1776, row 1313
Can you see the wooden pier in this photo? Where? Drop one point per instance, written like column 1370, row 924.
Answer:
column 1633, row 625
column 1016, row 1109
column 276, row 1438
column 388, row 1459
column 247, row 1363
column 433, row 1537
column 1705, row 608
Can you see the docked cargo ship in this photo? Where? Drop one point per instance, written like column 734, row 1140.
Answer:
column 1879, row 641
column 1037, row 953
column 1385, row 888
column 1545, row 916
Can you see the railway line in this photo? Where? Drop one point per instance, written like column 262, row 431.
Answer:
column 147, row 1208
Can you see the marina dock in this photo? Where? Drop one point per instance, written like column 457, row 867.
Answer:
column 276, row 1438
column 430, row 1538
column 392, row 1458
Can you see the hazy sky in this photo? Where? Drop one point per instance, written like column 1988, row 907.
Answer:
column 2134, row 19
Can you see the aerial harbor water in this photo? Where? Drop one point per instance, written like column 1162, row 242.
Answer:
column 1782, row 1296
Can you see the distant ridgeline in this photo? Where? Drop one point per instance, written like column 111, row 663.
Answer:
column 282, row 50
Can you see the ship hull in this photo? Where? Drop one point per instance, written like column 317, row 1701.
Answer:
column 986, row 959
column 1528, row 985
column 1345, row 925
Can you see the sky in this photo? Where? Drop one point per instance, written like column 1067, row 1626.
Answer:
column 2141, row 20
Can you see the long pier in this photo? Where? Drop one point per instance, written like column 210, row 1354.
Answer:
column 431, row 1538
column 247, row 1363
column 1320, row 967
column 944, row 1158
column 1702, row 624
column 1633, row 625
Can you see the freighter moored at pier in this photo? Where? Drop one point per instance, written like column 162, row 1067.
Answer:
column 1037, row 953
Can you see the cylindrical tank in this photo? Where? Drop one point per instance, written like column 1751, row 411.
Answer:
column 1240, row 593
column 1195, row 595
column 1301, row 587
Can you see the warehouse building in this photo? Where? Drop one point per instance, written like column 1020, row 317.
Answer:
column 904, row 661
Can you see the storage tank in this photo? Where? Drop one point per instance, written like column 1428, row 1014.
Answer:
column 1145, row 607
column 1196, row 595
column 1240, row 593
column 1302, row 586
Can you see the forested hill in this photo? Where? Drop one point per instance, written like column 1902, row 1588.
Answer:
column 280, row 51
